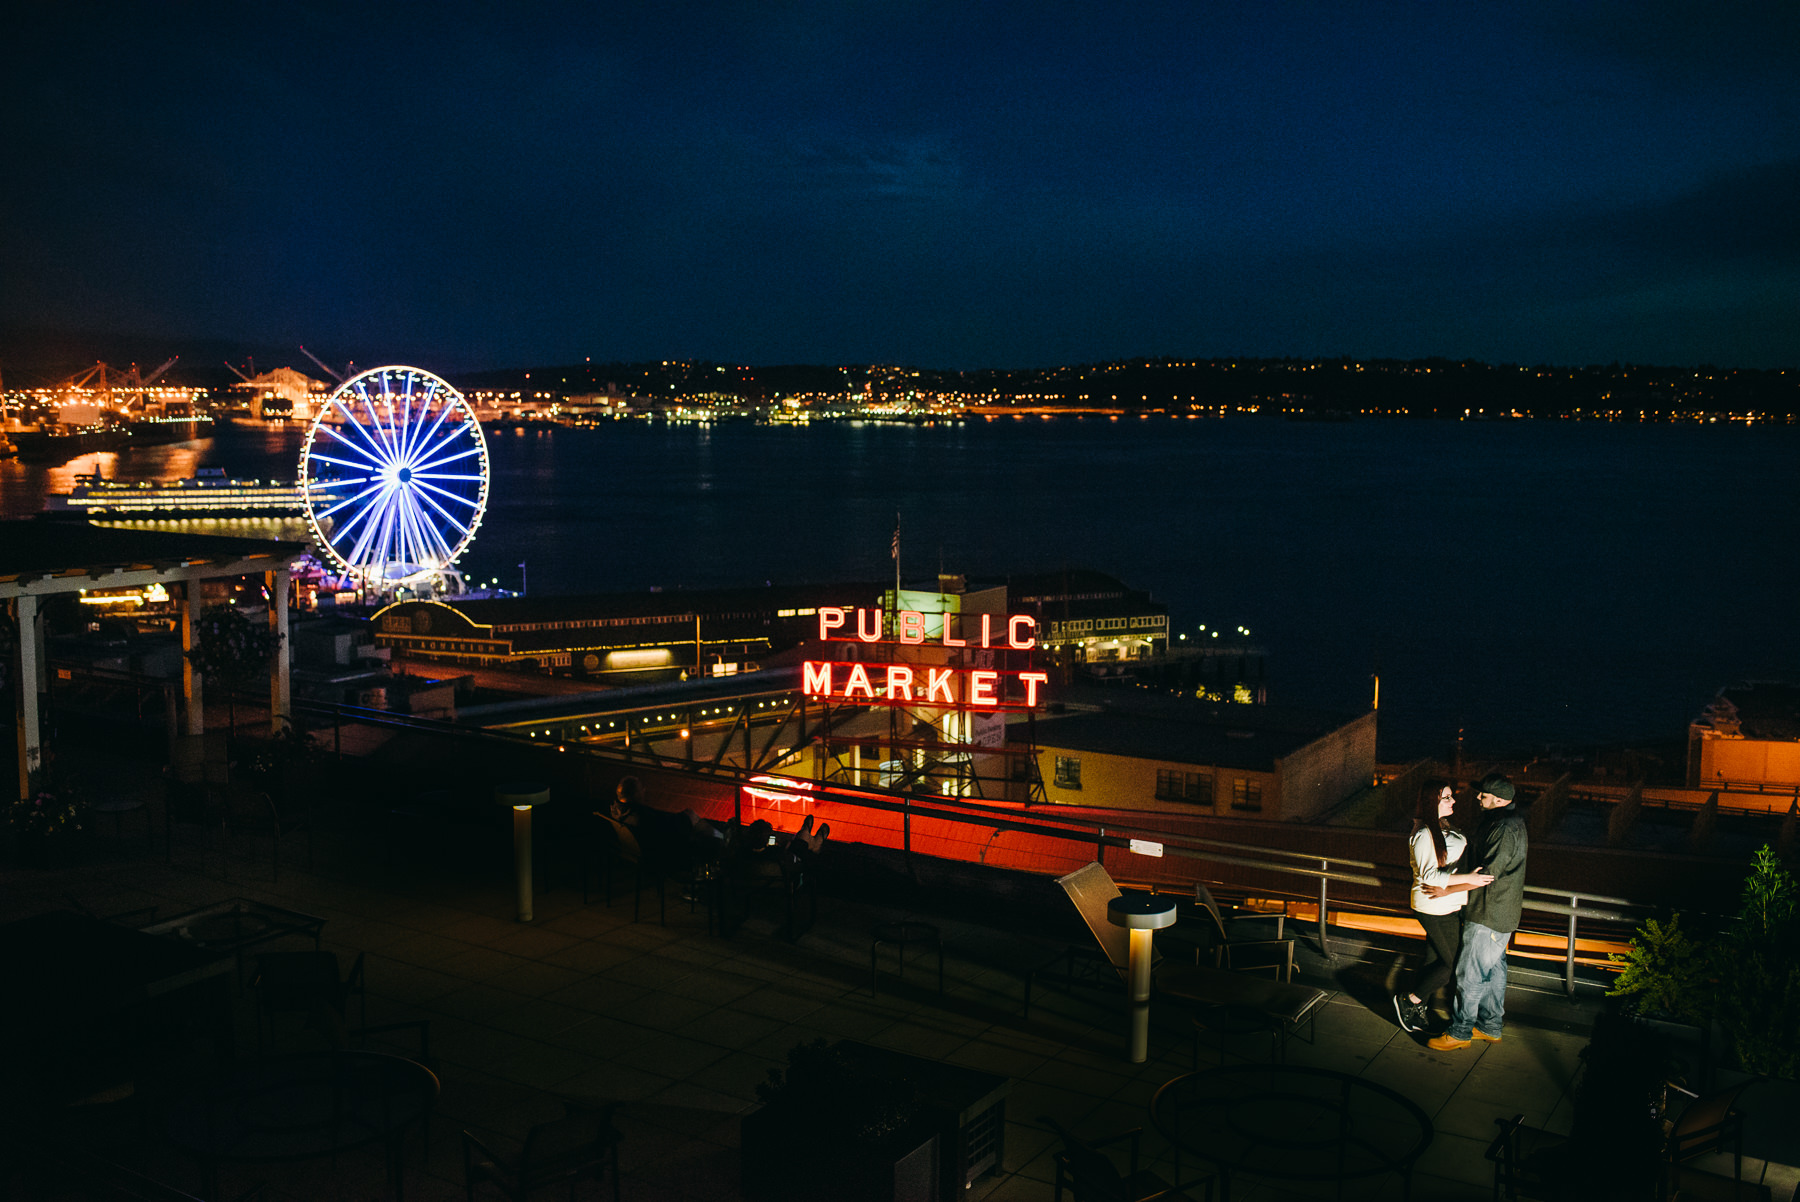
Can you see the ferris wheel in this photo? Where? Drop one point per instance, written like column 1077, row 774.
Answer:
column 394, row 473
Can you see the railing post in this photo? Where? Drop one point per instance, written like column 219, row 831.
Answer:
column 1569, row 961
column 1100, row 848
column 1324, row 904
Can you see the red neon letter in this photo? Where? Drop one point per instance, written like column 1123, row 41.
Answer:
column 938, row 681
column 1012, row 632
column 859, row 679
column 981, row 688
column 899, row 682
column 815, row 679
column 987, row 629
column 830, row 618
column 862, row 626
column 912, row 627
column 948, row 641
column 1032, row 681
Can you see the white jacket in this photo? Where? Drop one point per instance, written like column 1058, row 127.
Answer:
column 1425, row 871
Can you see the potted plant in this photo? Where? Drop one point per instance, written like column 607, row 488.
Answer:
column 230, row 646
column 47, row 822
column 1758, row 996
column 1746, row 979
column 829, row 1127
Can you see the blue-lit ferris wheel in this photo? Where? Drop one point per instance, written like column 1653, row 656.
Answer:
column 395, row 472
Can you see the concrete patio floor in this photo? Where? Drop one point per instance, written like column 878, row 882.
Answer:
column 679, row 1027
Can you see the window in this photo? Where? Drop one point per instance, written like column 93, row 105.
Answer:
column 1174, row 785
column 1068, row 772
column 1246, row 794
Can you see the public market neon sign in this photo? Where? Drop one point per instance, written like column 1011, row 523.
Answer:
column 923, row 684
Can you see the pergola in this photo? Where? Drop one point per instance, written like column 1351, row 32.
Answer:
column 43, row 558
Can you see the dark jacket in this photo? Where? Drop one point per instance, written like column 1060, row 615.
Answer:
column 1499, row 848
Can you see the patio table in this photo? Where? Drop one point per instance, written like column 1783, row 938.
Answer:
column 235, row 925
column 1293, row 1123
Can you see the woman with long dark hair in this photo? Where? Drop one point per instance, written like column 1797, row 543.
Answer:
column 1436, row 846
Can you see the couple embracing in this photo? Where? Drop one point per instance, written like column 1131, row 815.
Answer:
column 1468, row 915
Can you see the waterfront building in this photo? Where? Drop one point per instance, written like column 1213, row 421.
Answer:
column 708, row 632
column 1749, row 735
column 1137, row 750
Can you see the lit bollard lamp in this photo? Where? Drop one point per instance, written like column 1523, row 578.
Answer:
column 522, row 797
column 1140, row 914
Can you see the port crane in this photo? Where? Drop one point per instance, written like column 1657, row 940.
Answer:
column 119, row 391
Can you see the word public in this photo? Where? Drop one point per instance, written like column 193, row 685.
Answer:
column 923, row 684
column 909, row 627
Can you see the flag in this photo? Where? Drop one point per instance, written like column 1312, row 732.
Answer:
column 896, row 538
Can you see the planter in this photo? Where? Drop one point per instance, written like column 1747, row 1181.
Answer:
column 788, row 1153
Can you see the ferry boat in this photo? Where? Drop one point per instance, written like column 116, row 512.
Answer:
column 208, row 493
column 55, row 442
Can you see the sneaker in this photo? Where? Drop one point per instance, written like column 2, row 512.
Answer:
column 1406, row 1012
column 1484, row 1037
column 1446, row 1043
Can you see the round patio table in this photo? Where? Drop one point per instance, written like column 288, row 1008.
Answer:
column 1292, row 1123
column 299, row 1107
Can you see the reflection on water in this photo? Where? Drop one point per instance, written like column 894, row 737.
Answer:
column 1527, row 581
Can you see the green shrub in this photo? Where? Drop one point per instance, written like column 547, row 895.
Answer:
column 1667, row 971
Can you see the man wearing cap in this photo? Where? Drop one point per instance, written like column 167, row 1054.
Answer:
column 1491, row 917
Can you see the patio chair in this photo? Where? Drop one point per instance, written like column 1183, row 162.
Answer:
column 1280, row 1006
column 653, row 859
column 1276, row 954
column 1088, row 1174
column 779, row 872
column 578, row 1147
column 250, row 810
column 308, row 983
column 1528, row 1162
column 1709, row 1123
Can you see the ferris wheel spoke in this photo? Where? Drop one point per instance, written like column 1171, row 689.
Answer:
column 353, row 500
column 449, row 439
column 429, row 538
column 444, row 492
column 374, row 433
column 368, row 443
column 357, row 467
column 448, row 516
column 421, row 466
column 416, row 427
column 418, row 475
column 371, row 518
column 427, row 433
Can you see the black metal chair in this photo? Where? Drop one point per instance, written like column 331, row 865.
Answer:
column 307, row 983
column 1276, row 954
column 1088, row 1175
column 1528, row 1161
column 578, row 1147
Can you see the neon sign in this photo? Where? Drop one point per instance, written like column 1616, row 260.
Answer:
column 921, row 684
column 909, row 627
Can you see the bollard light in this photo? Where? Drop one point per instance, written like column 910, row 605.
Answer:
column 1140, row 914
column 522, row 797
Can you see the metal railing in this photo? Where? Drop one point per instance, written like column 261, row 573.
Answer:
column 1323, row 870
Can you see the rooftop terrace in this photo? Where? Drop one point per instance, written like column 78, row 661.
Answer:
column 679, row 1026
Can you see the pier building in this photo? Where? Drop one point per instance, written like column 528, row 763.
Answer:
column 1138, row 750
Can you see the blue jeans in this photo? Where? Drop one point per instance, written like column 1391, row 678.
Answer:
column 1480, row 982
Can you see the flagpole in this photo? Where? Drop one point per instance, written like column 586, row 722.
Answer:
column 896, row 560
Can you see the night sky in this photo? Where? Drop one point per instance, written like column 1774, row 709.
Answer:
column 956, row 185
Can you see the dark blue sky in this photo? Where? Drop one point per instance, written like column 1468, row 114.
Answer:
column 956, row 185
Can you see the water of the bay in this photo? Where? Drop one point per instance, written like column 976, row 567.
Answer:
column 1528, row 581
